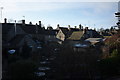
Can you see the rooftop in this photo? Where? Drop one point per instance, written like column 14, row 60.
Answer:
column 76, row 35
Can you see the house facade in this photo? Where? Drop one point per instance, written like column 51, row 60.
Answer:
column 61, row 35
column 75, row 35
column 50, row 36
column 65, row 32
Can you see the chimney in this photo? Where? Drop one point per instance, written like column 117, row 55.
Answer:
column 23, row 21
column 36, row 24
column 30, row 23
column 86, row 29
column 36, row 28
column 69, row 27
column 5, row 20
column 95, row 29
column 40, row 23
column 58, row 26
column 80, row 27
column 75, row 27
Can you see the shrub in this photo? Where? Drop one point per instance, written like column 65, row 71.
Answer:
column 22, row 69
column 110, row 66
column 114, row 53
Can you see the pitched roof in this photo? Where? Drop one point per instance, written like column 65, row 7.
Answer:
column 74, row 29
column 5, row 30
column 16, row 40
column 76, row 35
column 31, row 29
column 28, row 28
column 50, row 32
column 6, row 27
column 64, row 30
column 95, row 34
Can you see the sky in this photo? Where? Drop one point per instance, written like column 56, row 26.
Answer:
column 93, row 14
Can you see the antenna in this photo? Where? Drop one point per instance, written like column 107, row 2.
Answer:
column 94, row 25
column 1, row 8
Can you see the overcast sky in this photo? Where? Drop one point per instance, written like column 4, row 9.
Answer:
column 68, row 12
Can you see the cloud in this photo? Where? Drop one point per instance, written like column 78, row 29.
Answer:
column 35, row 5
column 38, row 6
column 86, row 8
column 17, row 8
column 59, row 0
column 8, row 6
column 104, row 7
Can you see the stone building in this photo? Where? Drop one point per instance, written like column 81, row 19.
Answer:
column 15, row 35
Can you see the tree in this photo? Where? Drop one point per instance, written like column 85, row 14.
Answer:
column 101, row 29
column 113, row 42
column 22, row 69
column 110, row 66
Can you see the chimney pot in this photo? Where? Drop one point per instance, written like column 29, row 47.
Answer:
column 58, row 25
column 80, row 26
column 23, row 21
column 30, row 23
column 75, row 27
column 5, row 20
column 69, row 27
column 40, row 23
column 36, row 24
column 86, row 28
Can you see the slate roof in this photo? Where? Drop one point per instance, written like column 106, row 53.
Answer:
column 16, row 40
column 6, row 27
column 74, row 29
column 28, row 28
column 76, row 35
column 64, row 30
column 95, row 34
column 31, row 29
column 50, row 32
